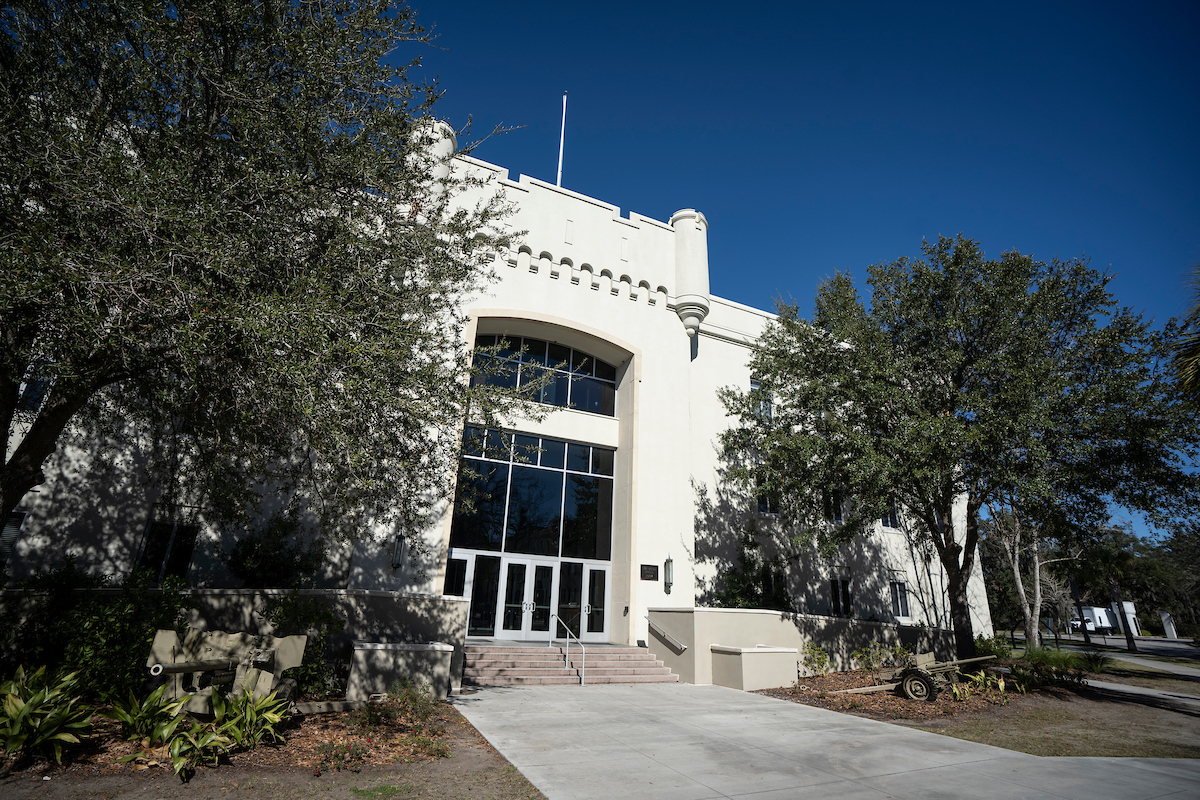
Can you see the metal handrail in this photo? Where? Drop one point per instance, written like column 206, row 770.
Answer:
column 682, row 647
column 567, row 649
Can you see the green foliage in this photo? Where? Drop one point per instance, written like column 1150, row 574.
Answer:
column 1040, row 667
column 877, row 654
column 1094, row 661
column 191, row 747
column 104, row 636
column 295, row 613
column 248, row 720
column 41, row 713
column 755, row 582
column 275, row 556
column 996, row 646
column 1186, row 360
column 965, row 378
column 345, row 755
column 152, row 721
column 241, row 241
column 815, row 659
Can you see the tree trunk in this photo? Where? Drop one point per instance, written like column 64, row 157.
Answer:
column 1087, row 639
column 1116, row 594
column 1033, row 635
column 960, row 613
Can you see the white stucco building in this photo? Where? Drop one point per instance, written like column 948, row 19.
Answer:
column 609, row 507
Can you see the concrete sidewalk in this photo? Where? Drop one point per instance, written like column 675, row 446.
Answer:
column 692, row 742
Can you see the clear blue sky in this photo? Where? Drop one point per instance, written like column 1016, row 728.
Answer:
column 825, row 137
column 819, row 137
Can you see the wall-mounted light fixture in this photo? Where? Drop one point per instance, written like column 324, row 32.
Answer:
column 668, row 573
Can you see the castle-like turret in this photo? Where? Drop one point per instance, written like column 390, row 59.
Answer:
column 691, row 267
column 436, row 143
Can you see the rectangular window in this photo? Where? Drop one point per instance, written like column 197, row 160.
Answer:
column 899, row 599
column 891, row 518
column 12, row 532
column 168, row 546
column 833, row 507
column 839, row 591
column 763, row 408
column 574, row 378
column 456, row 577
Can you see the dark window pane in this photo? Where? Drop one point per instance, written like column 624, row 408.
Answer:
column 534, row 511
column 498, row 445
column 486, row 340
column 535, row 351
column 473, row 441
column 587, row 518
column 602, row 461
column 525, row 449
column 514, row 598
column 485, row 590
column 495, row 372
column 485, row 487
column 182, row 545
column 570, row 596
column 595, row 617
column 594, row 396
column 581, row 363
column 555, row 392
column 456, row 577
column 558, row 355
column 543, row 582
column 553, row 452
column 158, row 543
column 509, row 346
column 577, row 457
column 606, row 371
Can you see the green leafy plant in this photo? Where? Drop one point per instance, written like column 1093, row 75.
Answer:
column 190, row 747
column 996, row 646
column 815, row 659
column 407, row 708
column 878, row 654
column 40, row 714
column 1039, row 667
column 960, row 691
column 152, row 721
column 247, row 719
column 1094, row 661
column 347, row 755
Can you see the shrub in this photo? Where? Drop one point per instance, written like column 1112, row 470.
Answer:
column 878, row 654
column 247, row 720
column 40, row 714
column 996, row 646
column 1039, row 667
column 1094, row 661
column 152, row 721
column 348, row 755
column 103, row 636
column 815, row 659
column 294, row 614
column 190, row 747
column 405, row 709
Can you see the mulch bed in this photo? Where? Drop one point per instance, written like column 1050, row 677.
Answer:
column 819, row 691
column 100, row 752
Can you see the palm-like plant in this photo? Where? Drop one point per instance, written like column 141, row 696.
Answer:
column 1187, row 358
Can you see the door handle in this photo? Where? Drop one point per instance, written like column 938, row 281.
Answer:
column 587, row 608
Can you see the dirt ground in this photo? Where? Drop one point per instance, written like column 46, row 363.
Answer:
column 472, row 769
column 1055, row 721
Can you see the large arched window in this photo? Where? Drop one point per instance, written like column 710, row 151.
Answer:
column 576, row 380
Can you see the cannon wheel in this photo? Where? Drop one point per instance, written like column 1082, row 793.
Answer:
column 919, row 686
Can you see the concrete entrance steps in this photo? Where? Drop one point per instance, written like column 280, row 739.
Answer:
column 526, row 664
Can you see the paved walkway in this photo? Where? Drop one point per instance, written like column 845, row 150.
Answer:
column 694, row 742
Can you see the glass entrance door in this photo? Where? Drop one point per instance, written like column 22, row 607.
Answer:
column 514, row 597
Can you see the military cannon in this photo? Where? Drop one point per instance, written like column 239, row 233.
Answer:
column 207, row 661
column 920, row 677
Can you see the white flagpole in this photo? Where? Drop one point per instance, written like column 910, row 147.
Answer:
column 561, row 135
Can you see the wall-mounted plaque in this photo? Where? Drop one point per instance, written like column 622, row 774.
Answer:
column 649, row 572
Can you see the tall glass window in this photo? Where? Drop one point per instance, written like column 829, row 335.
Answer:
column 575, row 379
column 534, row 495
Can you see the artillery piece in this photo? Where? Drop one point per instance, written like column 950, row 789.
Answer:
column 920, row 677
column 207, row 661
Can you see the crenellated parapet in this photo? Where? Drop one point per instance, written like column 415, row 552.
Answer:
column 586, row 243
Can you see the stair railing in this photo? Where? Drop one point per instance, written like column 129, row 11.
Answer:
column 567, row 649
column 655, row 626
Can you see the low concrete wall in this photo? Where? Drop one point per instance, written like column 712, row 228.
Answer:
column 375, row 616
column 698, row 629
column 376, row 666
column 753, row 668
